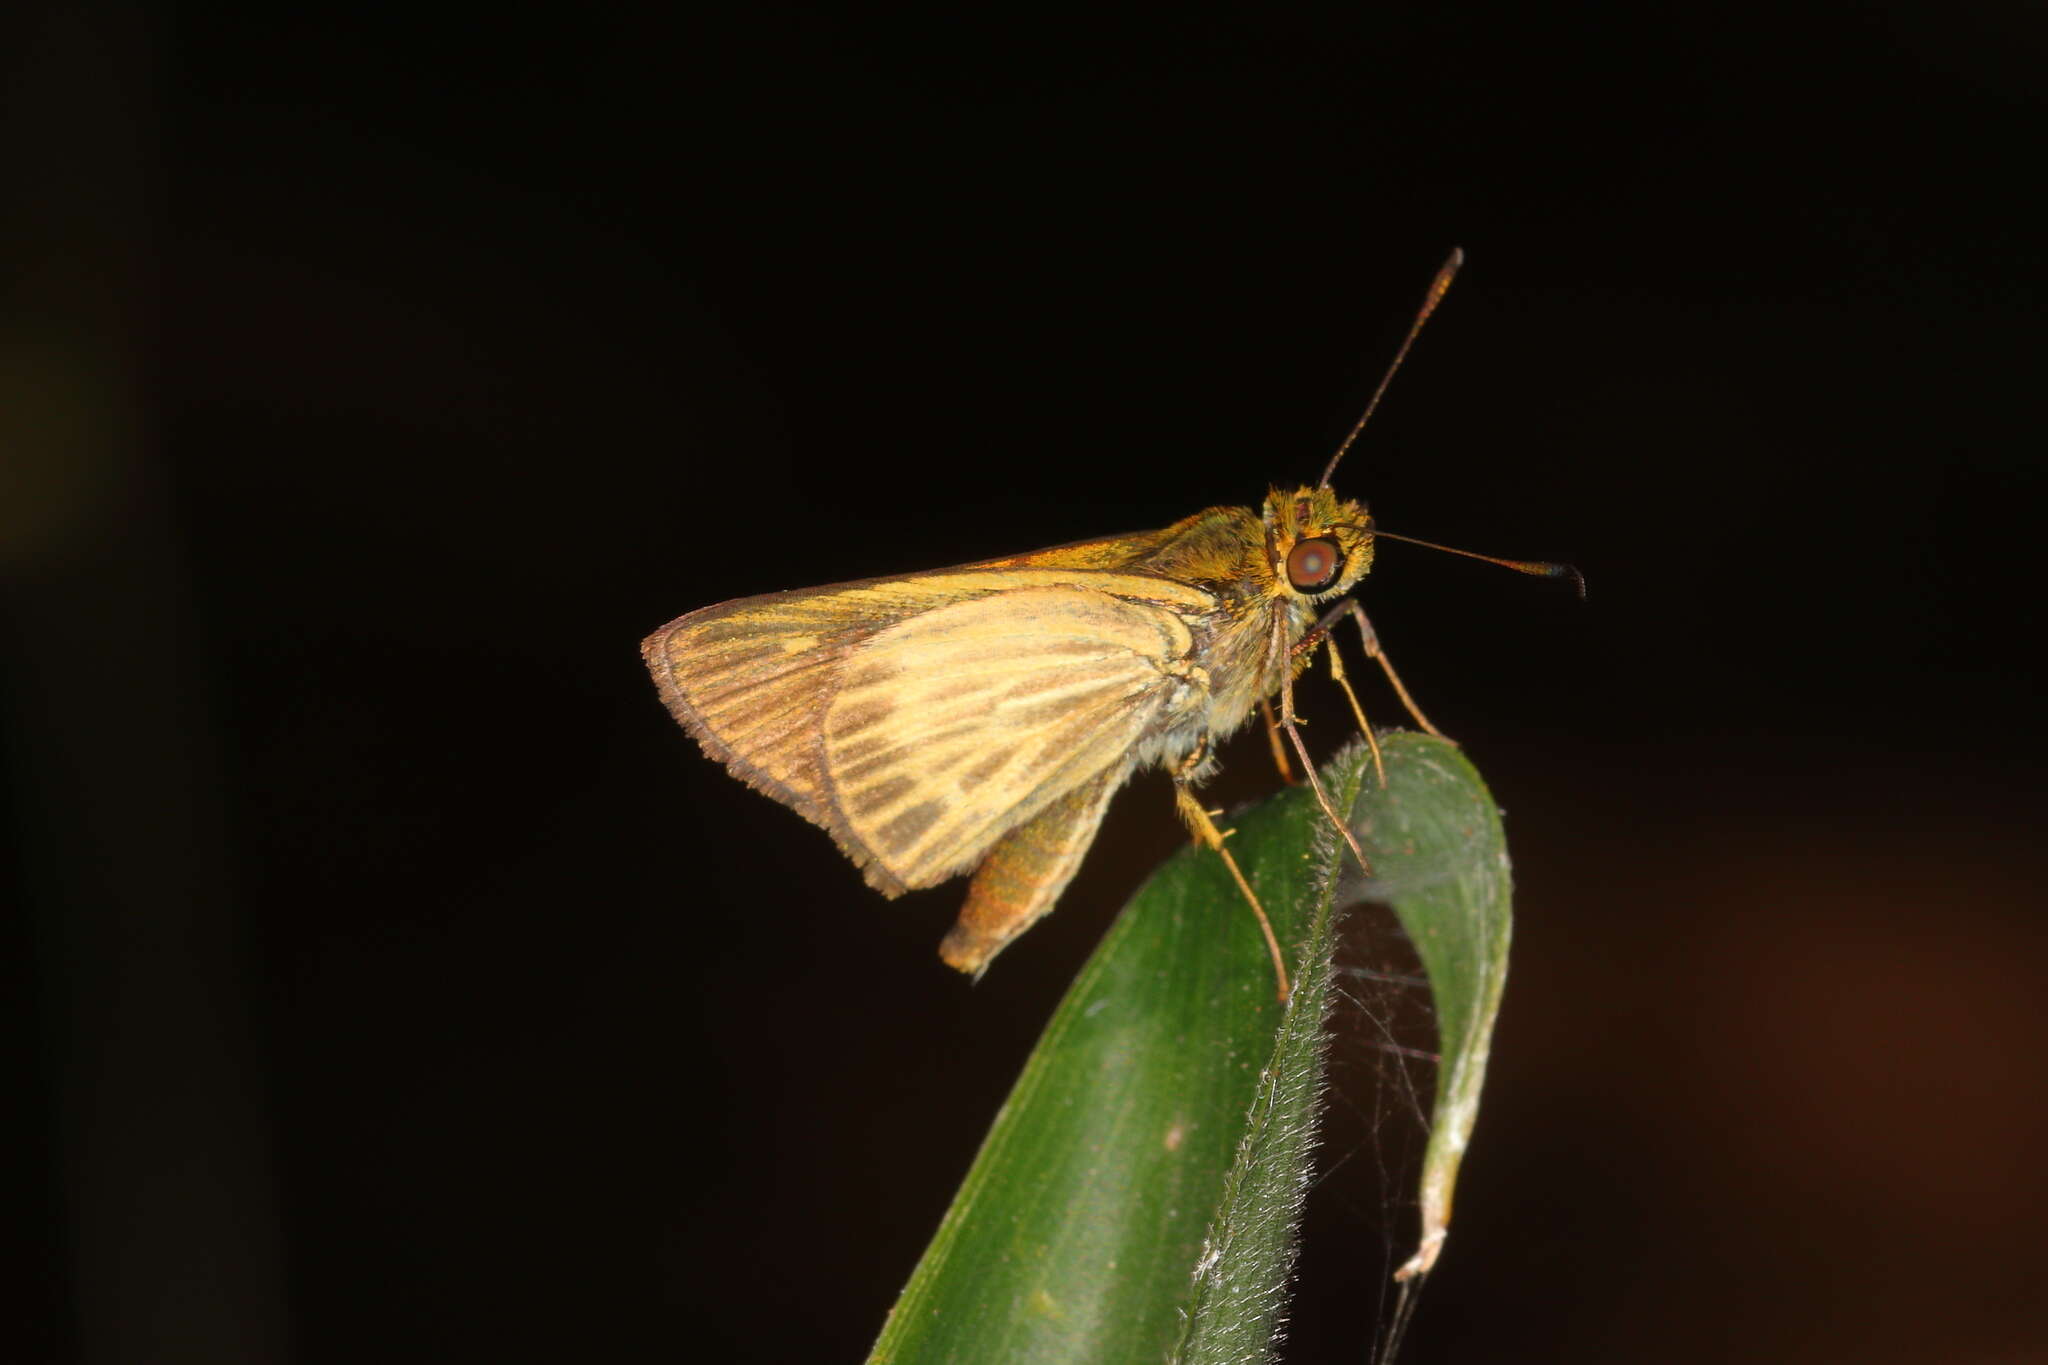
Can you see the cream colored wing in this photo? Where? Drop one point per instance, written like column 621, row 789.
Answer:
column 920, row 738
column 957, row 725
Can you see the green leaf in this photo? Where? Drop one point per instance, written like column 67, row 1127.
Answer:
column 1441, row 859
column 1138, row 1195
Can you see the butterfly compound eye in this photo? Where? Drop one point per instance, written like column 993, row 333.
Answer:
column 1313, row 564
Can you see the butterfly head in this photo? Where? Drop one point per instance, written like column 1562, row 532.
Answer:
column 1319, row 544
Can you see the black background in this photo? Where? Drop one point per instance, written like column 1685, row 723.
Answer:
column 400, row 983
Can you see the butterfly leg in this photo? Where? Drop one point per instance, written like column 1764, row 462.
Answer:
column 1204, row 828
column 1372, row 740
column 1379, row 656
column 1288, row 723
column 1319, row 634
column 1279, row 749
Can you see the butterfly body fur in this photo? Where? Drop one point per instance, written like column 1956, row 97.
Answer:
column 981, row 717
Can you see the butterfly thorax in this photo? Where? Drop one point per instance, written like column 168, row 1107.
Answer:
column 1267, row 574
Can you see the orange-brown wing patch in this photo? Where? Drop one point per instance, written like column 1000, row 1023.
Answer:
column 1025, row 872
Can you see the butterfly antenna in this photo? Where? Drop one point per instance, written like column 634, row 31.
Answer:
column 1539, row 568
column 1437, row 287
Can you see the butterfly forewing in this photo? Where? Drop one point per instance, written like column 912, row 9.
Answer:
column 956, row 725
column 919, row 719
